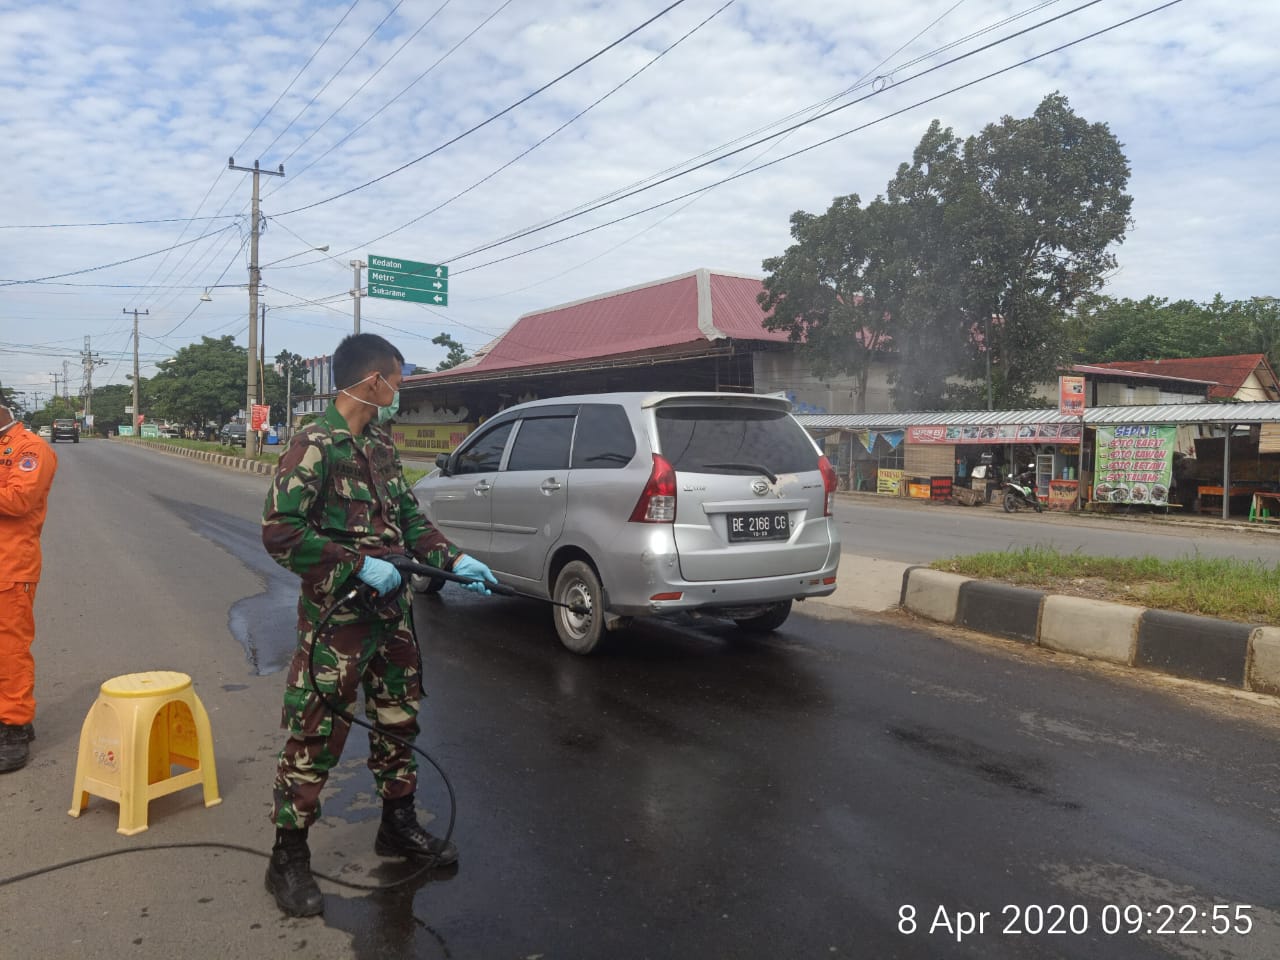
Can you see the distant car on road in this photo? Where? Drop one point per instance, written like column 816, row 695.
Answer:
column 65, row 430
column 171, row 433
column 45, row 432
column 632, row 504
column 232, row 435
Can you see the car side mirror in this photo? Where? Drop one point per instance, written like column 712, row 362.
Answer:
column 442, row 463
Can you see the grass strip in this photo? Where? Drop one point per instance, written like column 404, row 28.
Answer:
column 1247, row 591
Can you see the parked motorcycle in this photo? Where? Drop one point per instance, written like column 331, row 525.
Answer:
column 1020, row 491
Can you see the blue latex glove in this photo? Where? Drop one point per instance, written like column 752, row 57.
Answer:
column 468, row 566
column 380, row 575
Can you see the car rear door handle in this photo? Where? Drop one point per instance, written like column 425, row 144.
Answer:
column 481, row 488
column 550, row 485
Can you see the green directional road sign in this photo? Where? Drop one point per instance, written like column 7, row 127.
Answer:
column 407, row 294
column 393, row 278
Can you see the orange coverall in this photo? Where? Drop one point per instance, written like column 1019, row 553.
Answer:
column 27, row 466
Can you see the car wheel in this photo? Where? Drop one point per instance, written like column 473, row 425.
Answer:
column 427, row 585
column 579, row 584
column 768, row 621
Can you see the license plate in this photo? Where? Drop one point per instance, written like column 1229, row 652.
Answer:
column 749, row 527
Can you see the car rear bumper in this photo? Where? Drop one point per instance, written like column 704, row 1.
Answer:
column 634, row 582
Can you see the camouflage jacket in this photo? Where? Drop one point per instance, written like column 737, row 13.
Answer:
column 337, row 498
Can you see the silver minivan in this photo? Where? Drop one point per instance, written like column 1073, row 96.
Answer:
column 635, row 504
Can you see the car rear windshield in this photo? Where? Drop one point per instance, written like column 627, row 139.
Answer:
column 724, row 439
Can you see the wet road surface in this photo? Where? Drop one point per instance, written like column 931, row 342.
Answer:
column 691, row 793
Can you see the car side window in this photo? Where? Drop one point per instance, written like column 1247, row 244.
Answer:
column 542, row 444
column 484, row 454
column 604, row 439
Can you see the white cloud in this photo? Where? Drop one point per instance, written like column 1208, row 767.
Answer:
column 124, row 111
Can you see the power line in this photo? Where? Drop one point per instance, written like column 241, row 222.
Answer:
column 289, row 87
column 104, row 266
column 484, row 123
column 783, row 132
column 358, row 127
column 103, row 223
column 385, row 63
column 803, row 150
column 577, row 116
column 334, row 76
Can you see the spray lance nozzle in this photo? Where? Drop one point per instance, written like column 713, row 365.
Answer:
column 407, row 565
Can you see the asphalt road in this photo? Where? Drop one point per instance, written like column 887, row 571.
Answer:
column 685, row 794
column 923, row 532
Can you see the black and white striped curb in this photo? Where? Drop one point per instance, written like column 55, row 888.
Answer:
column 1199, row 648
column 219, row 459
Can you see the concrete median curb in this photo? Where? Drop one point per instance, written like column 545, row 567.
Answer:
column 1221, row 652
column 208, row 456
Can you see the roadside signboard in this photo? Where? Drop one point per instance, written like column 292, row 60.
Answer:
column 150, row 431
column 1134, row 463
column 1071, row 396
column 124, row 430
column 261, row 412
column 394, row 278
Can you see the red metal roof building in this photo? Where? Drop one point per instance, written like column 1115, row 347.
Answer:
column 695, row 314
column 1245, row 376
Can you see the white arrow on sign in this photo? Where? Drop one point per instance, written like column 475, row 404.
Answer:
column 438, row 298
column 438, row 285
column 439, row 271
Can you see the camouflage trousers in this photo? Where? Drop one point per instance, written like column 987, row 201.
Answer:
column 378, row 656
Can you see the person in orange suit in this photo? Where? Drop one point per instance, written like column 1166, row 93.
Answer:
column 27, row 466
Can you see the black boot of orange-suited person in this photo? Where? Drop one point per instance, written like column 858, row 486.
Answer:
column 13, row 747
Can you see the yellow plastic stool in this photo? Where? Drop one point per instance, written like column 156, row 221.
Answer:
column 141, row 726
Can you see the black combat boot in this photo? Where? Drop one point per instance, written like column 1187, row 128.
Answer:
column 13, row 747
column 289, row 876
column 400, row 835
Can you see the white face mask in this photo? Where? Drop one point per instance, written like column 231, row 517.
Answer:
column 8, row 425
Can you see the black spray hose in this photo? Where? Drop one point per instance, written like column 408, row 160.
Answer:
column 371, row 599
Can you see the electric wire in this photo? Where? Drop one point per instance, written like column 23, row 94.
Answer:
column 103, row 223
column 356, row 129
column 300, row 72
column 679, row 210
column 577, row 116
column 385, row 63
column 488, row 120
column 334, row 76
column 962, row 86
column 104, row 266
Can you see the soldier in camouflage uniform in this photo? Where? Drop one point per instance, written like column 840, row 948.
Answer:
column 338, row 504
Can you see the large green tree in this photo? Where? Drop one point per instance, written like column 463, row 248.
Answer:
column 1153, row 328
column 203, row 384
column 834, row 290
column 1015, row 223
column 457, row 352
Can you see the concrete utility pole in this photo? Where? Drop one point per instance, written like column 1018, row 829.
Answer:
column 357, row 266
column 90, row 360
column 136, row 409
column 251, row 391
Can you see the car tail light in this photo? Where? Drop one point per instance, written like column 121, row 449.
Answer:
column 829, row 484
column 657, row 504
column 667, row 596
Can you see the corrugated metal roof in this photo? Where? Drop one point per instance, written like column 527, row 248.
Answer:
column 1260, row 412
column 736, row 312
column 1229, row 372
column 698, row 306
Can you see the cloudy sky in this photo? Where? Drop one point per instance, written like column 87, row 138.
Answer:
column 117, row 113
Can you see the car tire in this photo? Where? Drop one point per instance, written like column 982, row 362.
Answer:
column 578, row 583
column 427, row 585
column 768, row 621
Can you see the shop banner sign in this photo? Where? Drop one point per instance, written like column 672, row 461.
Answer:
column 1000, row 433
column 1071, row 396
column 1134, row 463
column 429, row 438
column 887, row 481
